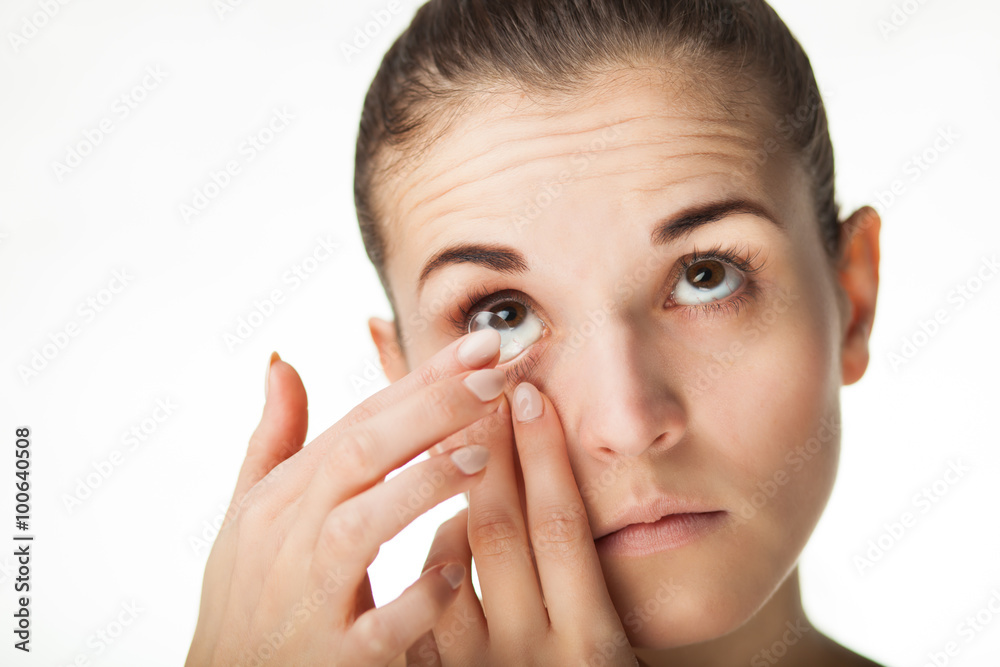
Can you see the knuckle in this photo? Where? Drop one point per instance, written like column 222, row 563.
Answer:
column 376, row 637
column 429, row 375
column 439, row 403
column 494, row 535
column 364, row 411
column 559, row 529
column 344, row 527
column 254, row 509
column 354, row 453
column 602, row 649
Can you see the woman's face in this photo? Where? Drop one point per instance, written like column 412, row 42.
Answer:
column 717, row 383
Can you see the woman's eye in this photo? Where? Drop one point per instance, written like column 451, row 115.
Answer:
column 705, row 281
column 519, row 327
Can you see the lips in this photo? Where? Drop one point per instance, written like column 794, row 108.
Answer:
column 651, row 509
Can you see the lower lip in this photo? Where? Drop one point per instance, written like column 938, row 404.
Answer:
column 670, row 532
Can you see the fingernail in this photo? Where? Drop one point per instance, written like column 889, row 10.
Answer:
column 479, row 347
column 486, row 384
column 267, row 375
column 527, row 402
column 453, row 573
column 471, row 459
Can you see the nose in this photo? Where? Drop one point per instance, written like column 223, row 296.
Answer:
column 626, row 394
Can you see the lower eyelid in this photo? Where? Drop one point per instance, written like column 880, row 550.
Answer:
column 524, row 365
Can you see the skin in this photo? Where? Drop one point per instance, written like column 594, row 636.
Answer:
column 305, row 523
column 628, row 409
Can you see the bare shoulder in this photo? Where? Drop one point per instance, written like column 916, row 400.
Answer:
column 400, row 661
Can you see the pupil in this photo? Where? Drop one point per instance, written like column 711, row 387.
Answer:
column 704, row 276
column 510, row 315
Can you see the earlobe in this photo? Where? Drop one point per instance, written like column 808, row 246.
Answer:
column 390, row 354
column 857, row 272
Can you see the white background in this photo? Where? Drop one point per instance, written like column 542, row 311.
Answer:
column 162, row 337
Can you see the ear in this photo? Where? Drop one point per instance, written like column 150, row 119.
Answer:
column 857, row 273
column 389, row 351
column 391, row 355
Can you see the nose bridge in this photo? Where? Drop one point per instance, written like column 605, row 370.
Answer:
column 625, row 403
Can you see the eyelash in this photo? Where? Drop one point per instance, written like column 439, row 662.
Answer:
column 518, row 370
column 748, row 265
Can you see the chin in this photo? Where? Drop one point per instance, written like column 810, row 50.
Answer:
column 671, row 600
column 689, row 617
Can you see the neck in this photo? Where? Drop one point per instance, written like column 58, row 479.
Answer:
column 779, row 630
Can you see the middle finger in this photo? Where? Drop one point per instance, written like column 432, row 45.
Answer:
column 512, row 599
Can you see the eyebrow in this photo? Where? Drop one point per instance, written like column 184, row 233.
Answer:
column 505, row 259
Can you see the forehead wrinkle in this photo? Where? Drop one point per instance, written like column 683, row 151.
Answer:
column 749, row 141
column 507, row 141
column 656, row 166
column 643, row 142
column 442, row 220
column 404, row 188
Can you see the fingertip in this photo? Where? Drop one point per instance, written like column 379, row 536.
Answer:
column 267, row 375
column 528, row 403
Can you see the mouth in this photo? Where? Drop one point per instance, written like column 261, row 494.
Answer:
column 671, row 531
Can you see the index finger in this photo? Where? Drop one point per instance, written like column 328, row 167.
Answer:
column 476, row 350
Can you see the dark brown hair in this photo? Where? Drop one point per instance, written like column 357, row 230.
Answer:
column 456, row 48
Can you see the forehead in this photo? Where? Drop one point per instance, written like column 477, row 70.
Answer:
column 633, row 139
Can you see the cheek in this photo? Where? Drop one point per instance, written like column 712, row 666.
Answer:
column 766, row 426
column 774, row 416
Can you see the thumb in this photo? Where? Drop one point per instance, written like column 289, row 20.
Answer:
column 282, row 428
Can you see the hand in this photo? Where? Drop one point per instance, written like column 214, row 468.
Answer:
column 286, row 581
column 559, row 614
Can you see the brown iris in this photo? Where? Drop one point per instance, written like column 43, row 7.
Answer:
column 706, row 274
column 512, row 313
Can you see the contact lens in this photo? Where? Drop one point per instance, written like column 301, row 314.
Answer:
column 513, row 340
column 485, row 319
